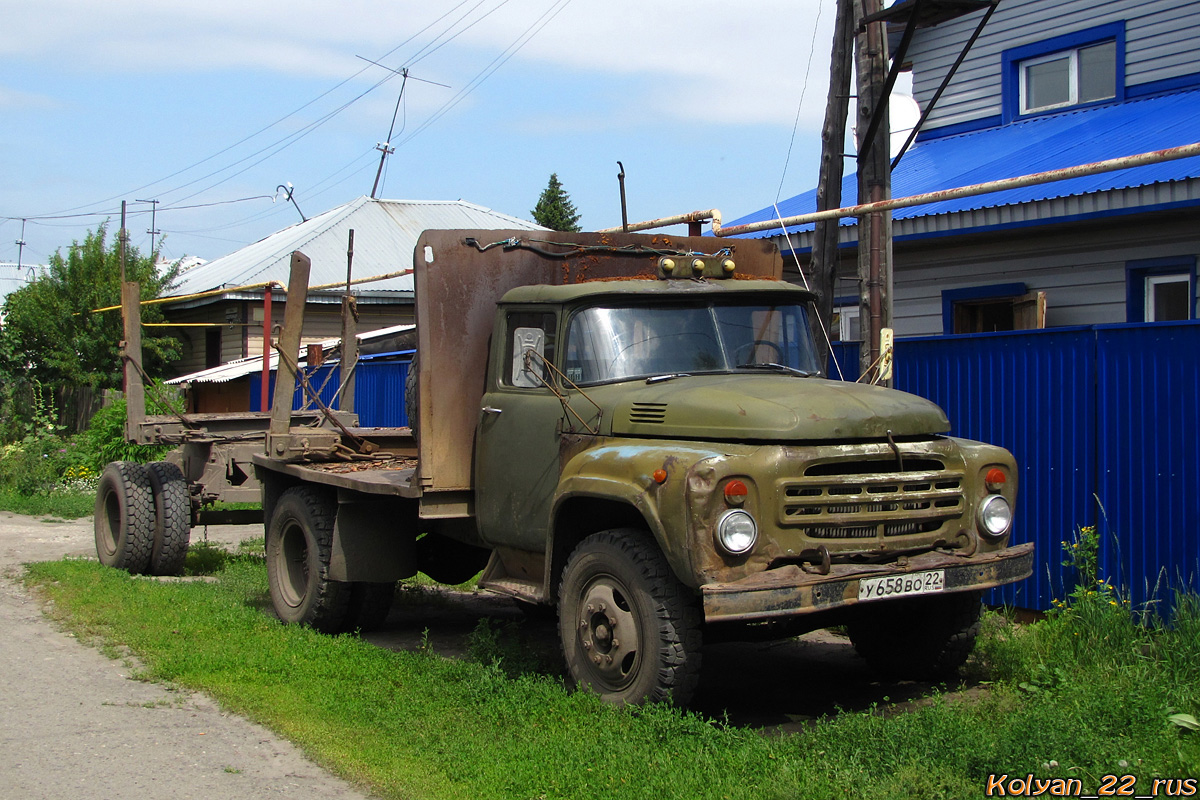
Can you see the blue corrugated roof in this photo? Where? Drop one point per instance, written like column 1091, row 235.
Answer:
column 1033, row 145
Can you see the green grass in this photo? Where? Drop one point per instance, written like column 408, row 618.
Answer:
column 59, row 504
column 416, row 725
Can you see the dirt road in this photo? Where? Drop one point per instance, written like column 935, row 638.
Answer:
column 72, row 723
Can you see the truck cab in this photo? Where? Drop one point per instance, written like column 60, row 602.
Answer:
column 684, row 423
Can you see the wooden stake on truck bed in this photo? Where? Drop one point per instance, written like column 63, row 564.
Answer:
column 304, row 443
column 131, row 355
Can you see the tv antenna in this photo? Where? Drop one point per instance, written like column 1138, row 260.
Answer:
column 385, row 148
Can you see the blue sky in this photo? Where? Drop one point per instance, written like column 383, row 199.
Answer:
column 144, row 100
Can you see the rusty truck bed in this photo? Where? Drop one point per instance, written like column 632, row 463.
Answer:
column 393, row 476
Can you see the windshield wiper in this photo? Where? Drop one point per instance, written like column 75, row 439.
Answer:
column 771, row 365
column 668, row 376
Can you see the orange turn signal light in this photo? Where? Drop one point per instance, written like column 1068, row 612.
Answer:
column 995, row 479
column 736, row 492
column 660, row 476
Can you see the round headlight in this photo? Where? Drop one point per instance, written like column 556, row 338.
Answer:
column 737, row 532
column 995, row 515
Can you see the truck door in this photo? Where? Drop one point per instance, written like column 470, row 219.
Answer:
column 516, row 457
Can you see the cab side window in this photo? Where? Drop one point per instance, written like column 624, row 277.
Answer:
column 530, row 342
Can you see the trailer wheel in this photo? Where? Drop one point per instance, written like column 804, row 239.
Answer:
column 172, row 518
column 412, row 397
column 369, row 605
column 124, row 517
column 299, row 543
column 630, row 631
column 920, row 638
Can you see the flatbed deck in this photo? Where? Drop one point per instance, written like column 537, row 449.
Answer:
column 392, row 476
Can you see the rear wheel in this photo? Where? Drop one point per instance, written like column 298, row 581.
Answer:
column 299, row 544
column 172, row 518
column 124, row 517
column 369, row 605
column 412, row 398
column 919, row 638
column 630, row 631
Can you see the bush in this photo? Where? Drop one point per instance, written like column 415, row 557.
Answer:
column 104, row 440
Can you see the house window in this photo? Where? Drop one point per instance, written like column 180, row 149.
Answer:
column 1161, row 290
column 212, row 348
column 988, row 309
column 1084, row 75
column 845, row 325
column 1074, row 69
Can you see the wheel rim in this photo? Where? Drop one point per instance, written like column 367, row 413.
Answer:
column 608, row 633
column 293, row 547
column 110, row 523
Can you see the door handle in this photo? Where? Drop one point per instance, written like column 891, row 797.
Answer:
column 490, row 410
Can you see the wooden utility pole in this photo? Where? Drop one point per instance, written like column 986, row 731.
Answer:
column 874, row 181
column 349, row 334
column 833, row 145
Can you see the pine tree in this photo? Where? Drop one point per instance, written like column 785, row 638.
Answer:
column 554, row 208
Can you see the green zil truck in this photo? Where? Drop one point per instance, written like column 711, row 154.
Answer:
column 635, row 430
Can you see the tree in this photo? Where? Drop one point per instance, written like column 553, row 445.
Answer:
column 52, row 333
column 554, row 208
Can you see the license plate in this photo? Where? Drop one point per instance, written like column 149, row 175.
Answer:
column 902, row 585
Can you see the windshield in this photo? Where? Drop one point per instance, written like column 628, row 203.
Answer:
column 610, row 343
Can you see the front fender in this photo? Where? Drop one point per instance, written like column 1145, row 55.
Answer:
column 623, row 471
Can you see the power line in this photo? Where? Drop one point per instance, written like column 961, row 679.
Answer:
column 243, row 140
column 523, row 39
column 812, row 49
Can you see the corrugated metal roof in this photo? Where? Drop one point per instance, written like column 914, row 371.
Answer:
column 385, row 232
column 13, row 277
column 241, row 367
column 1038, row 144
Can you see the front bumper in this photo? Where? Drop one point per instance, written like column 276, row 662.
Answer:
column 791, row 591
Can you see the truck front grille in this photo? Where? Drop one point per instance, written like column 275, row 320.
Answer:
column 870, row 499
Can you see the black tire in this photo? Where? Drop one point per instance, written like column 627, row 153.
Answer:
column 449, row 561
column 630, row 631
column 299, row 543
column 412, row 397
column 369, row 606
column 919, row 638
column 124, row 517
column 172, row 518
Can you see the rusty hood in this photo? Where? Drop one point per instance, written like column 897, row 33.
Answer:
column 766, row 407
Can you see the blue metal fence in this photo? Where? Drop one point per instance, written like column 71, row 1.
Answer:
column 1105, row 424
column 378, row 391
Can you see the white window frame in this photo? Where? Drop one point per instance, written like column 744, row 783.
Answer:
column 1157, row 280
column 847, row 316
column 1072, row 57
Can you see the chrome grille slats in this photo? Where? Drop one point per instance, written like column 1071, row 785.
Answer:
column 857, row 498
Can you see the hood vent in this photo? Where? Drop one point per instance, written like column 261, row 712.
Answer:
column 648, row 413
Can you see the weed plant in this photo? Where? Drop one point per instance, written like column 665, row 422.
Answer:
column 1084, row 693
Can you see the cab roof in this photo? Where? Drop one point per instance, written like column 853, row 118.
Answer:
column 651, row 287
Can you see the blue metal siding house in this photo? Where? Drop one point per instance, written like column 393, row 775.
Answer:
column 1100, row 407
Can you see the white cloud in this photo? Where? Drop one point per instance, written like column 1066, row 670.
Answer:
column 15, row 99
column 700, row 59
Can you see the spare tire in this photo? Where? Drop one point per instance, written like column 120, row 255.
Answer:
column 172, row 518
column 124, row 517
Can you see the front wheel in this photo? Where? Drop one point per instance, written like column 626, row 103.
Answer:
column 299, row 545
column 919, row 638
column 630, row 631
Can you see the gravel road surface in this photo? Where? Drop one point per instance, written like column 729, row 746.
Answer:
column 73, row 724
